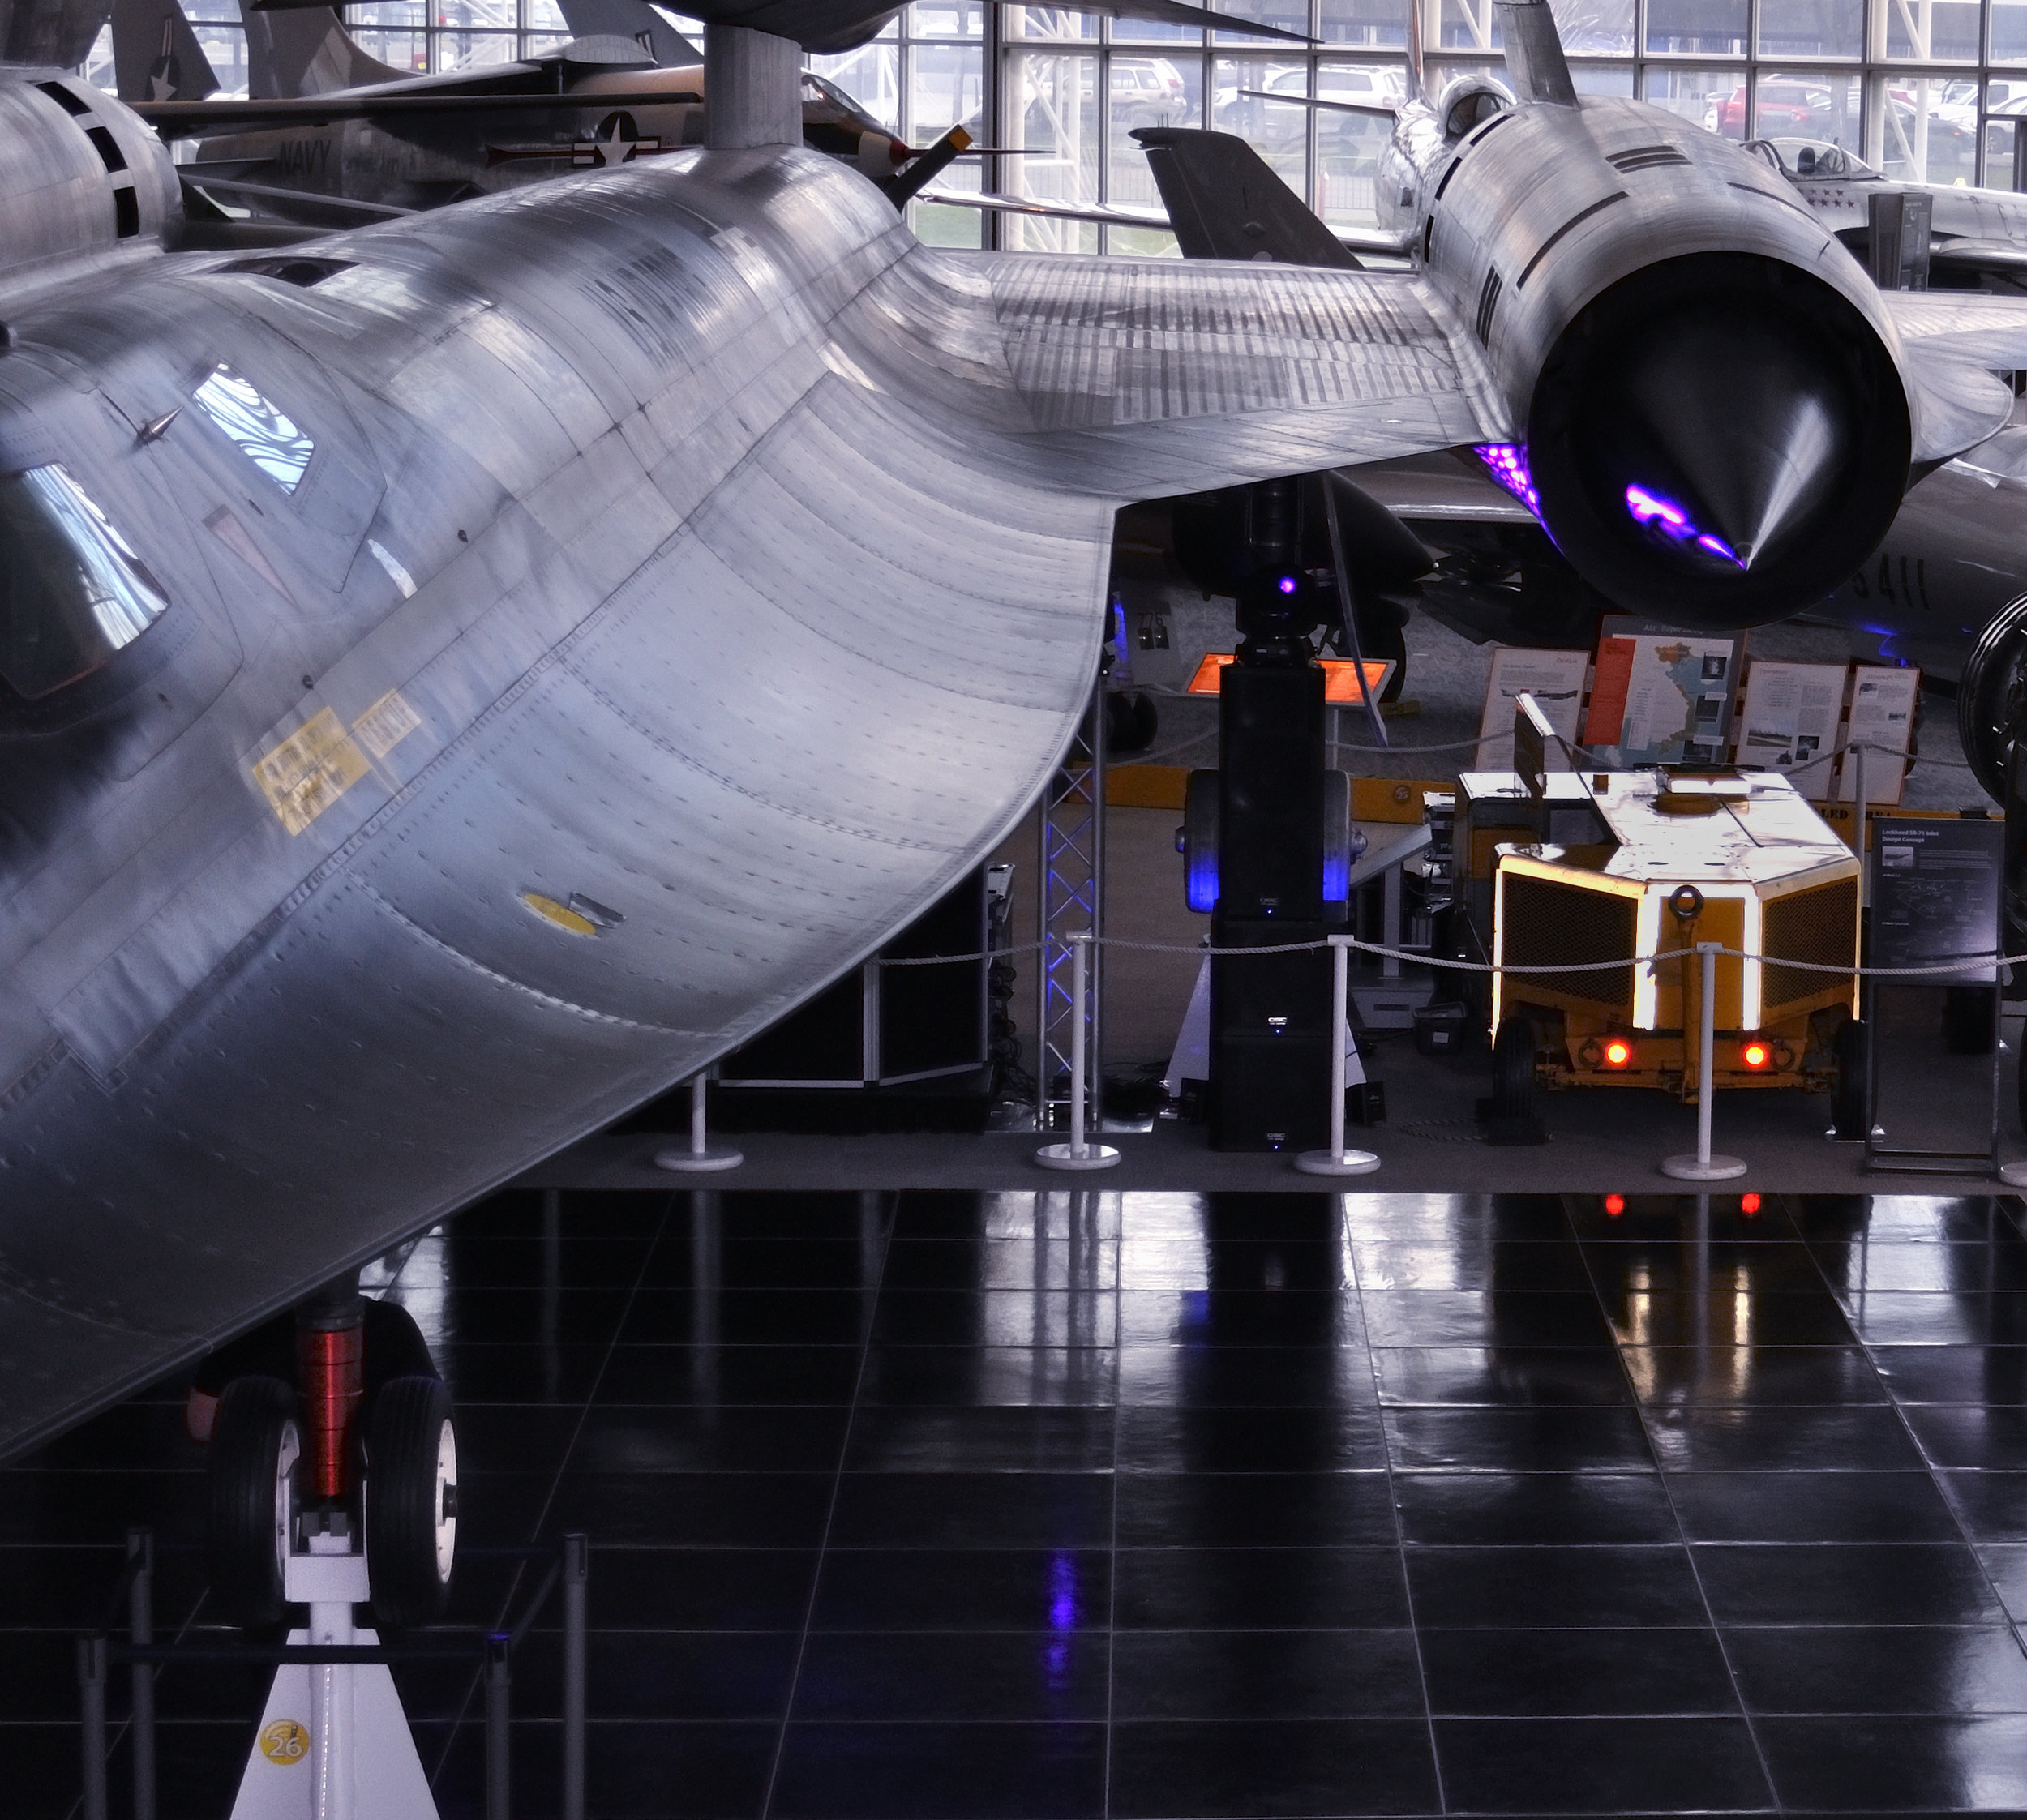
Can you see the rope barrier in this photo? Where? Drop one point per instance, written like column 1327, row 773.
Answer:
column 1983, row 958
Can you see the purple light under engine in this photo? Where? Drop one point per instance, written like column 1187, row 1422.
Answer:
column 1656, row 513
column 1507, row 463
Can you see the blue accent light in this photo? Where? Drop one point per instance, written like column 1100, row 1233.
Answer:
column 1286, row 584
column 1507, row 463
column 1200, row 882
column 1653, row 512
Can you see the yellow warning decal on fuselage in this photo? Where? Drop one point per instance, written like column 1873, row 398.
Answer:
column 310, row 770
column 386, row 724
column 284, row 1742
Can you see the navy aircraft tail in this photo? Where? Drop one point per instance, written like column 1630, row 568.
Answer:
column 294, row 51
column 155, row 55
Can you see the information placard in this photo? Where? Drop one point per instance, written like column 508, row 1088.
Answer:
column 1554, row 678
column 1936, row 895
column 1663, row 697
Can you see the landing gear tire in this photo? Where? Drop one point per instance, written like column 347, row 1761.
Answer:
column 1513, row 1069
column 1991, row 694
column 254, row 1446
column 1849, row 1115
column 411, row 1500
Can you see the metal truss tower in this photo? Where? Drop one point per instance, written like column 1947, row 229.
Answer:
column 1071, row 872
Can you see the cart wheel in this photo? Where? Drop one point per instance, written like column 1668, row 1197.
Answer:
column 1849, row 1112
column 254, row 1446
column 1513, row 1068
column 411, row 1500
column 1967, row 1019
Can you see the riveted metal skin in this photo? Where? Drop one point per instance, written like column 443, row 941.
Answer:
column 684, row 541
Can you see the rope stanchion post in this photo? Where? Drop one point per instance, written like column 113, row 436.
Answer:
column 1337, row 1160
column 1081, row 1152
column 1703, row 1167
column 700, row 1157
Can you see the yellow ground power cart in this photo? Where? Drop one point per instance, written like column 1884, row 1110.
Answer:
column 1574, row 866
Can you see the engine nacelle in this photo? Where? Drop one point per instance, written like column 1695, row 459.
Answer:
column 1717, row 428
column 84, row 182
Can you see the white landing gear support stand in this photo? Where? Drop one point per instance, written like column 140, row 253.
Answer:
column 700, row 1157
column 1080, row 1152
column 1337, row 1160
column 333, row 1742
column 1703, row 1167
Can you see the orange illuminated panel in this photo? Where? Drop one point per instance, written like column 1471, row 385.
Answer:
column 1340, row 677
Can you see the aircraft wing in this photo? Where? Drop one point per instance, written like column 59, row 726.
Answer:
column 1143, row 378
column 1956, row 342
column 179, row 119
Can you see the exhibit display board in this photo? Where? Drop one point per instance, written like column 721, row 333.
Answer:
column 1663, row 697
column 1554, row 678
column 1792, row 714
column 1881, row 713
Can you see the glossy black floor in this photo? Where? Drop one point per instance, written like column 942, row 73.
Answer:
column 1025, row 1505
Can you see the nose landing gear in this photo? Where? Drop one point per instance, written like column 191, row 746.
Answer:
column 336, row 1492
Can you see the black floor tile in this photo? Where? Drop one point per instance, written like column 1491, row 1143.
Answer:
column 1254, row 1510
column 1905, row 1668
column 981, row 1376
column 1858, row 1267
column 1653, row 1586
column 1544, row 1438
column 2007, row 1564
column 1060, row 1219
column 1681, row 1317
column 1662, row 1219
column 1503, row 1266
column 1197, row 1768
column 1500, row 1376
column 697, row 1510
column 1051, row 1675
column 1008, row 1263
column 1600, row 1766
column 1856, row 1583
column 963, row 1589
column 747, row 1317
column 1919, row 1764
column 1992, row 1506
column 1313, row 1439
column 1828, row 1219
column 1758, row 1266
column 1812, row 1507
column 1721, row 1376
column 1476, row 1318
column 1439, row 1219
column 1491, row 1509
column 1307, row 1264
column 773, row 1261
column 663, row 1675
column 699, row 1589
column 1259, row 1589
column 1516, row 1674
column 1780, row 1439
column 1005, row 1771
column 635, row 1769
column 1251, row 1376
column 943, row 1439
column 634, row 1439
column 727, row 1376
column 995, row 1317
column 1275, row 1317
column 1265, row 1674
column 976, row 1510
column 1954, row 1374
column 1968, row 1435
column 1909, row 1318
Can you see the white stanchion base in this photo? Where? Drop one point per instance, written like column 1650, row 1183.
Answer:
column 1337, row 1163
column 689, row 1161
column 2013, row 1175
column 1691, row 1168
column 1061, row 1156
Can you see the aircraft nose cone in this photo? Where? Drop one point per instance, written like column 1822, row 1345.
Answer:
column 1719, row 440
column 1733, row 437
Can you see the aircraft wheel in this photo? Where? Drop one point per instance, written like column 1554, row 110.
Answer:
column 256, row 1443
column 1990, row 694
column 411, row 1500
column 1849, row 1112
column 1513, row 1068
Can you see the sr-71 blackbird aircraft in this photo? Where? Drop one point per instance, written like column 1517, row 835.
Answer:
column 465, row 673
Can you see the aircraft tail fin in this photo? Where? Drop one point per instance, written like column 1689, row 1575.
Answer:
column 648, row 26
column 1225, row 202
column 1417, row 83
column 294, row 51
column 155, row 55
column 1535, row 61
